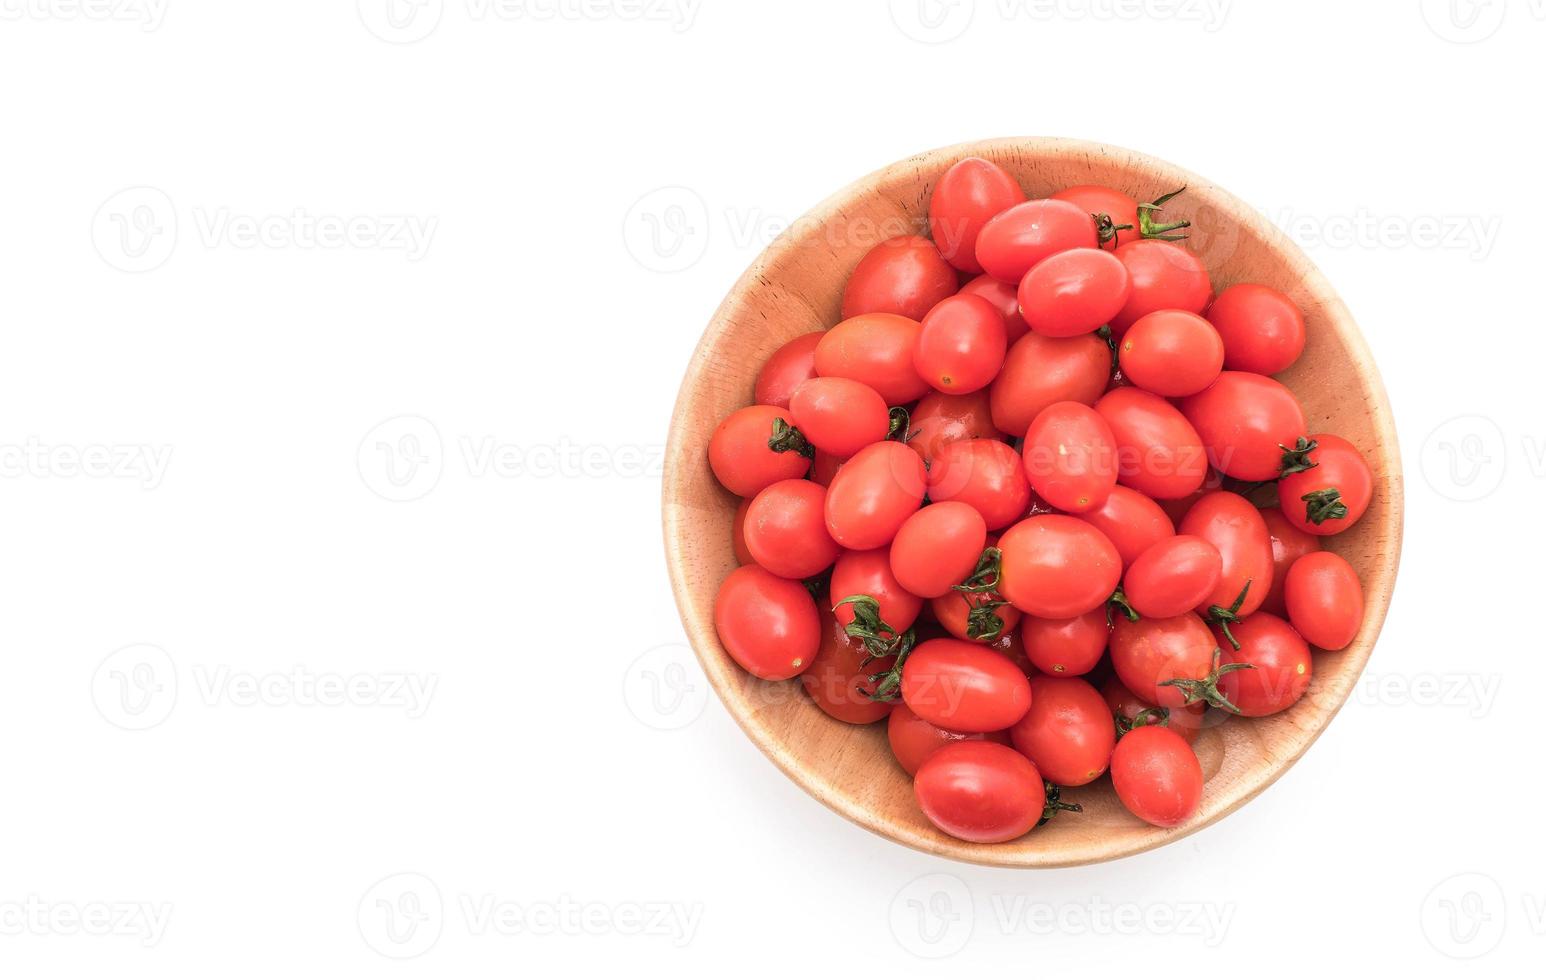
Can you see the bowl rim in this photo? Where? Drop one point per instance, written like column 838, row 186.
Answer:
column 731, row 689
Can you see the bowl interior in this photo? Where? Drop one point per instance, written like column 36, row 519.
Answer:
column 795, row 287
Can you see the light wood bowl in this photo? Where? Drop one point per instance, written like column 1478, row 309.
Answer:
column 795, row 287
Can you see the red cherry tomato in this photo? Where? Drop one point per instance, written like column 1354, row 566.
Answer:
column 1133, row 522
column 786, row 529
column 1245, row 420
column 1263, row 331
column 869, row 573
column 1333, row 494
column 1056, row 567
column 740, row 457
column 1235, row 527
column 964, row 686
column 985, row 473
column 1159, row 454
column 905, row 276
column 783, row 372
column 1173, row 577
column 1176, row 507
column 1289, row 544
column 1065, row 647
column 875, row 349
column 961, row 346
column 1324, row 600
column 938, row 547
column 965, row 198
column 1279, row 660
column 1070, row 457
column 743, row 554
column 768, row 624
column 913, row 740
column 1149, row 652
column 1171, row 353
column 1128, row 708
column 1073, row 292
column 939, row 418
column 838, row 679
column 1157, row 776
column 1164, row 277
column 838, row 415
column 824, row 467
column 1005, row 297
column 1118, row 207
column 1018, row 238
column 1039, row 371
column 881, row 486
column 981, row 792
column 1067, row 732
column 954, row 612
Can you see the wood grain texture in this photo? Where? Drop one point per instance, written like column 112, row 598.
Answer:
column 795, row 287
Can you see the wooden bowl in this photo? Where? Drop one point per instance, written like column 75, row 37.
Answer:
column 795, row 287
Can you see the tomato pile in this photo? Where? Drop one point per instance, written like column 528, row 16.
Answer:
column 1037, row 503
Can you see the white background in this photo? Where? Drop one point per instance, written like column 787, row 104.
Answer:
column 327, row 272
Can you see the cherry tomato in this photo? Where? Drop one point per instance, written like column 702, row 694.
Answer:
column 783, row 372
column 1149, row 652
column 963, row 686
column 985, row 473
column 961, row 346
column 940, row 418
column 838, row 679
column 1018, row 238
column 1055, row 567
column 824, row 467
column 954, row 612
column 1245, row 420
column 1070, row 457
column 1127, row 708
column 938, row 547
column 1263, row 331
column 1324, row 600
column 1005, row 298
column 1171, row 353
column 868, row 573
column 1039, row 371
column 1164, row 277
column 1065, row 647
column 838, row 415
column 881, row 486
column 1098, row 200
column 905, row 276
column 981, row 792
column 786, row 529
column 1235, row 527
column 875, row 349
column 1332, row 494
column 743, row 554
column 740, row 456
column 1177, row 507
column 1157, row 776
column 1289, row 544
column 1173, row 577
column 1073, row 292
column 913, row 740
column 965, row 198
column 1279, row 662
column 1133, row 522
column 1159, row 454
column 768, row 624
column 1067, row 732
